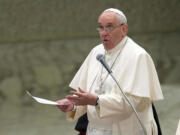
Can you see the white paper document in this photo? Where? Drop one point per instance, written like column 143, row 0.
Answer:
column 43, row 101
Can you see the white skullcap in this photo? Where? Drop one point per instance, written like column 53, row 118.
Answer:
column 120, row 13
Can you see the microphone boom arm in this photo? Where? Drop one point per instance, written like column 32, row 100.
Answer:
column 126, row 98
column 100, row 58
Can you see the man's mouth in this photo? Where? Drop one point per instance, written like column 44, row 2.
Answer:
column 105, row 40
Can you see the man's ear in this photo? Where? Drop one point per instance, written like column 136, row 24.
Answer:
column 125, row 29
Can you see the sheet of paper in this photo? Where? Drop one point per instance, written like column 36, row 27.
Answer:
column 43, row 101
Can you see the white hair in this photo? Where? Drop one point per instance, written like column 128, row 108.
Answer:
column 121, row 16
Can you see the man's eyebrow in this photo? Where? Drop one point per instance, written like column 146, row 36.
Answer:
column 106, row 24
column 109, row 23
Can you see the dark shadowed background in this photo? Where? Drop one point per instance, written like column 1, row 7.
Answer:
column 43, row 43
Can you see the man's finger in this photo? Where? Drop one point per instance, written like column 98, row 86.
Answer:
column 72, row 98
column 80, row 90
column 76, row 93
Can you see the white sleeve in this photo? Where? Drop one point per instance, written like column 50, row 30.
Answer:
column 115, row 105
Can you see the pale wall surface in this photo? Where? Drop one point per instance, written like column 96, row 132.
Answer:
column 43, row 43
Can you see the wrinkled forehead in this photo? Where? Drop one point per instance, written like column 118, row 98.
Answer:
column 108, row 17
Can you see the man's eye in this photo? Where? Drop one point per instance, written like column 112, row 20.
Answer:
column 109, row 26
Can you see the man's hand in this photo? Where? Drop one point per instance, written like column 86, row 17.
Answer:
column 65, row 105
column 82, row 98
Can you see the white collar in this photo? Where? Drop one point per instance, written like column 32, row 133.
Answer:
column 118, row 47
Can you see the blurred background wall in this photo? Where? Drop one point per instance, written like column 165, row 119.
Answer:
column 43, row 43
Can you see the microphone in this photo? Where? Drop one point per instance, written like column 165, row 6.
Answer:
column 100, row 58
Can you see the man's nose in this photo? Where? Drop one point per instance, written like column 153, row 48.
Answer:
column 104, row 32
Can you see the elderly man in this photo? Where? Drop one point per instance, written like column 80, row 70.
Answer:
column 99, row 96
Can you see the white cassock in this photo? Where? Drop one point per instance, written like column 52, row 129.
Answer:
column 134, row 69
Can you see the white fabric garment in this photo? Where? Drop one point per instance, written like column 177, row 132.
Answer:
column 178, row 129
column 133, row 68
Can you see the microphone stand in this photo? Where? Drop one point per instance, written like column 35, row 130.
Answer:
column 100, row 58
column 145, row 133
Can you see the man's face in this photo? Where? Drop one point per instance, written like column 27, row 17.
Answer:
column 110, row 38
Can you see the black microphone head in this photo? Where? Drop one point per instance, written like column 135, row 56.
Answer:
column 99, row 57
